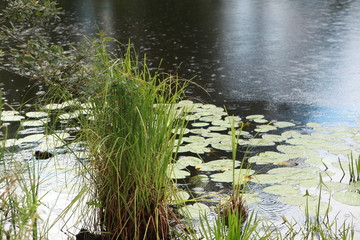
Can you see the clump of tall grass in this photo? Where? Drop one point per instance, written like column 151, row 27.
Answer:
column 131, row 145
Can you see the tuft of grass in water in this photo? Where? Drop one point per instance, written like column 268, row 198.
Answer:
column 354, row 168
column 131, row 145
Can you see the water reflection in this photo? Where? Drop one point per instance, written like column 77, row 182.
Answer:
column 289, row 59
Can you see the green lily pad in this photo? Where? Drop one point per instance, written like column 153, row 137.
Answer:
column 282, row 124
column 191, row 117
column 260, row 120
column 291, row 134
column 194, row 211
column 175, row 173
column 179, row 196
column 183, row 162
column 33, row 138
column 269, row 157
column 36, row 114
column 241, row 176
column 282, row 190
column 224, row 146
column 199, row 131
column 180, row 130
column 194, row 139
column 355, row 186
column 267, row 178
column 264, row 128
column 9, row 143
column 335, row 186
column 217, row 129
column 348, row 198
column 11, row 118
column 273, row 137
column 210, row 118
column 257, row 142
column 34, row 123
column 67, row 116
column 200, row 124
column 255, row 116
column 219, row 165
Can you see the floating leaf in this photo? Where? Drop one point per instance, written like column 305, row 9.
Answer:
column 11, row 118
column 335, row 186
column 281, row 124
column 260, row 120
column 194, row 139
column 34, row 123
column 199, row 131
column 264, row 128
column 241, row 176
column 188, row 161
column 194, row 211
column 217, row 129
column 179, row 196
column 348, row 198
column 291, row 133
column 36, row 114
column 175, row 173
column 282, row 190
column 256, row 116
column 267, row 178
column 219, row 165
column 269, row 157
column 256, row 142
column 200, row 124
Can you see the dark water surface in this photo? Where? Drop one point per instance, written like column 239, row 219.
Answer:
column 285, row 59
column 288, row 60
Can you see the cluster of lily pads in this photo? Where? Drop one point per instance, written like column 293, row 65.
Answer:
column 298, row 164
column 293, row 167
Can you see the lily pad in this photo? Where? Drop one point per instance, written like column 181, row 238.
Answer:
column 264, row 128
column 194, row 211
column 224, row 146
column 335, row 186
column 175, row 173
column 194, row 139
column 219, row 165
column 267, row 178
column 36, row 114
column 282, row 190
column 217, row 129
column 34, row 123
column 255, row 116
column 188, row 161
column 269, row 157
column 180, row 196
column 241, row 176
column 348, row 198
column 11, row 118
column 257, row 142
column 260, row 120
column 200, row 124
column 282, row 124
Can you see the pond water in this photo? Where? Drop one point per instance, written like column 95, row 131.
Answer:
column 288, row 60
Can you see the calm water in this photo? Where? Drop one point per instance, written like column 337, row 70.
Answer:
column 285, row 59
column 288, row 60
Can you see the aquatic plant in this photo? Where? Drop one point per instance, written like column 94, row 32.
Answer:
column 131, row 143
